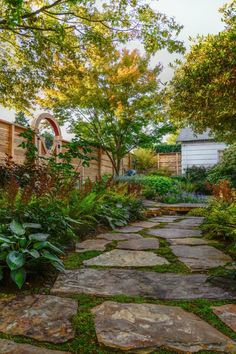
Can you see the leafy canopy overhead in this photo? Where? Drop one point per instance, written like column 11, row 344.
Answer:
column 36, row 34
column 114, row 103
column 203, row 91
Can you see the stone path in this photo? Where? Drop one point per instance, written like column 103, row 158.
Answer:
column 159, row 243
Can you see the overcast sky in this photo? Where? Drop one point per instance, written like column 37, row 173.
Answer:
column 197, row 17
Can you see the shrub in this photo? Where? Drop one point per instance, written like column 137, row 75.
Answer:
column 167, row 148
column 197, row 175
column 226, row 168
column 144, row 160
column 20, row 249
column 220, row 220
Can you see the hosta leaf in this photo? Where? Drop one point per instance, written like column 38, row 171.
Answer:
column 3, row 255
column 38, row 237
column 31, row 225
column 60, row 267
column 4, row 239
column 18, row 276
column 32, row 253
column 54, row 248
column 52, row 257
column 23, row 242
column 15, row 260
column 17, row 228
column 40, row 245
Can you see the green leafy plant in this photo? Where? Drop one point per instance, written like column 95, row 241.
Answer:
column 19, row 249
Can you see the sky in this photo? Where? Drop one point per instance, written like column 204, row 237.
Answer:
column 197, row 16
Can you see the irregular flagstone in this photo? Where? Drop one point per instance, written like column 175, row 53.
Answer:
column 145, row 327
column 149, row 203
column 191, row 241
column 173, row 233
column 139, row 245
column 126, row 258
column 119, row 236
column 10, row 347
column 145, row 224
column 227, row 314
column 194, row 221
column 164, row 219
column 42, row 317
column 166, row 286
column 200, row 257
column 92, row 245
column 127, row 229
column 177, row 225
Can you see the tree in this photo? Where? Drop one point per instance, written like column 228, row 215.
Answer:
column 203, row 90
column 115, row 104
column 34, row 35
column 21, row 119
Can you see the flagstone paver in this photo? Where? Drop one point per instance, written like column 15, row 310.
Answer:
column 145, row 224
column 191, row 241
column 127, row 229
column 196, row 221
column 92, row 245
column 174, row 233
column 166, row 286
column 42, row 317
column 177, row 225
column 126, row 258
column 139, row 245
column 164, row 219
column 148, row 327
column 119, row 236
column 227, row 314
column 10, row 347
column 200, row 257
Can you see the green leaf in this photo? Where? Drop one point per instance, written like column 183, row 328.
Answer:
column 3, row 255
column 15, row 260
column 23, row 242
column 18, row 276
column 5, row 239
column 60, row 267
column 38, row 237
column 51, row 257
column 54, row 248
column 17, row 228
column 32, row 253
column 31, row 225
column 40, row 245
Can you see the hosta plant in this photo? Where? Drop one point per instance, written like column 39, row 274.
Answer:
column 20, row 248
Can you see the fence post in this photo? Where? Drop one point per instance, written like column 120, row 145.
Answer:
column 177, row 163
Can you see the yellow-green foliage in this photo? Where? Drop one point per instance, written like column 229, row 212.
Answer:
column 144, row 159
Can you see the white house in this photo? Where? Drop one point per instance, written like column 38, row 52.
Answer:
column 199, row 149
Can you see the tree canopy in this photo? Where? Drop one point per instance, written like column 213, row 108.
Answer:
column 114, row 103
column 203, row 91
column 36, row 34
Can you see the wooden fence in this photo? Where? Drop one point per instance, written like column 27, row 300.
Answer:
column 10, row 140
column 170, row 162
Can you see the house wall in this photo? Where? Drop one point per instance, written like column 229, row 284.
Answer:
column 200, row 153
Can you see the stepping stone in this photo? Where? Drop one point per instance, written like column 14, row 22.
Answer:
column 144, row 224
column 191, row 241
column 164, row 219
column 9, row 347
column 200, row 257
column 42, row 317
column 139, row 245
column 146, row 327
column 227, row 314
column 173, row 233
column 126, row 258
column 149, row 203
column 131, row 229
column 119, row 236
column 191, row 222
column 92, row 245
column 165, row 286
column 177, row 225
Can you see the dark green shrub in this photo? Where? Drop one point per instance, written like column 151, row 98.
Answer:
column 225, row 169
column 197, row 175
column 166, row 148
